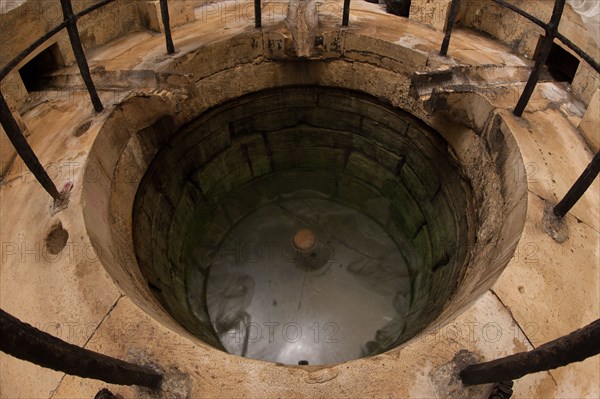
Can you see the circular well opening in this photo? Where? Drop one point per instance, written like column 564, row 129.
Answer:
column 303, row 225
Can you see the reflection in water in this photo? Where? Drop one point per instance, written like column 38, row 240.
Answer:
column 235, row 294
column 345, row 297
column 229, row 314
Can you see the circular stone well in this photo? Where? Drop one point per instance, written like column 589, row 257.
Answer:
column 304, row 225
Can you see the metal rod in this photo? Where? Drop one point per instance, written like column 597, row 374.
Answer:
column 164, row 11
column 551, row 31
column 25, row 342
column 559, row 36
column 93, row 7
column 522, row 13
column 84, row 68
column 24, row 150
column 346, row 13
column 257, row 14
column 47, row 36
column 534, row 77
column 574, row 347
column 449, row 26
column 579, row 188
column 30, row 49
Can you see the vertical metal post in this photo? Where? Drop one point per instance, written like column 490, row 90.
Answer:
column 84, row 68
column 449, row 26
column 346, row 13
column 544, row 51
column 164, row 11
column 579, row 188
column 257, row 14
column 571, row 348
column 25, row 342
column 24, row 150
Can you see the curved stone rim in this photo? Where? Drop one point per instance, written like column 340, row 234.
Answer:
column 168, row 114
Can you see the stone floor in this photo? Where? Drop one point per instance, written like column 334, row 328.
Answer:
column 547, row 290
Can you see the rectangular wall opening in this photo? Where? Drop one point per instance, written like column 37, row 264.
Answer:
column 36, row 73
column 561, row 64
column 396, row 7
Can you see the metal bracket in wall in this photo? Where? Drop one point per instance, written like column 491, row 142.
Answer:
column 556, row 227
column 61, row 203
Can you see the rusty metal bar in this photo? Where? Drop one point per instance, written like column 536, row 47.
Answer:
column 346, row 13
column 24, row 150
column 522, row 13
column 574, row 347
column 164, row 11
column 84, row 68
column 559, row 36
column 551, row 32
column 93, row 7
column 25, row 342
column 257, row 14
column 579, row 188
column 47, row 36
column 30, row 49
column 449, row 26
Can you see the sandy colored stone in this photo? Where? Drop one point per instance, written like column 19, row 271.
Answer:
column 585, row 83
column 590, row 124
column 80, row 295
column 486, row 329
column 430, row 12
column 542, row 268
column 7, row 153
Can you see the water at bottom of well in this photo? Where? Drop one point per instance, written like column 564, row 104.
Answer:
column 307, row 280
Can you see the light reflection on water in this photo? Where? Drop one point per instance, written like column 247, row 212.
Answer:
column 267, row 304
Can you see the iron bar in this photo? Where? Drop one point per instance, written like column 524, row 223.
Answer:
column 30, row 49
column 164, row 12
column 84, row 68
column 534, row 77
column 449, row 26
column 13, row 131
column 257, row 14
column 579, row 188
column 559, row 36
column 346, row 13
column 47, row 36
column 25, row 342
column 93, row 7
column 574, row 347
column 521, row 12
